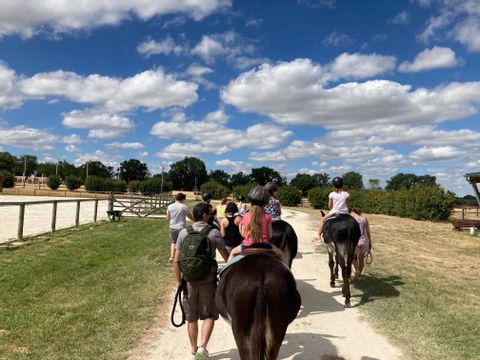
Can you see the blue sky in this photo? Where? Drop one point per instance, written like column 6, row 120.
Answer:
column 377, row 87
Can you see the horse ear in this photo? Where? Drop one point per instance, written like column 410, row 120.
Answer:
column 323, row 214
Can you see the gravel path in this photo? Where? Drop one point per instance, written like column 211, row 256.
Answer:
column 38, row 218
column 324, row 329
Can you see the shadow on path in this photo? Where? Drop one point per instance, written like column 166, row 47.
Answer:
column 315, row 301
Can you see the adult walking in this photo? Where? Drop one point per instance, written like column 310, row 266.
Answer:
column 176, row 215
column 364, row 244
column 199, row 300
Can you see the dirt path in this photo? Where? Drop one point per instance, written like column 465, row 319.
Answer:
column 324, row 329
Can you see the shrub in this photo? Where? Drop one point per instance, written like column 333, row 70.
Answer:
column 53, row 182
column 427, row 202
column 289, row 195
column 318, row 197
column 93, row 183
column 7, row 179
column 243, row 190
column 73, row 182
column 133, row 186
column 217, row 190
column 152, row 186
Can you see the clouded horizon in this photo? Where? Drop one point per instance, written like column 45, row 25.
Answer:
column 301, row 86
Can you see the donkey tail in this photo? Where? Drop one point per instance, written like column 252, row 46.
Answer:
column 258, row 341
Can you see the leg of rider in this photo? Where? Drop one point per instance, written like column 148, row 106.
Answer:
column 192, row 329
column 322, row 222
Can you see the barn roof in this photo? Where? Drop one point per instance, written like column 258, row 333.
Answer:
column 473, row 177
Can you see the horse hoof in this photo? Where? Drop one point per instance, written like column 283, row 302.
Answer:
column 347, row 303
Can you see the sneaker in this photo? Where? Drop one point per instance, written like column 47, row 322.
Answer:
column 202, row 354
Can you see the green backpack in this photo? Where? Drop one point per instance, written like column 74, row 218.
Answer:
column 196, row 260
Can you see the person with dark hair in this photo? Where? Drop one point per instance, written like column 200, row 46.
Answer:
column 229, row 226
column 337, row 203
column 199, row 300
column 176, row 215
column 273, row 207
column 242, row 206
column 364, row 244
column 256, row 226
column 207, row 197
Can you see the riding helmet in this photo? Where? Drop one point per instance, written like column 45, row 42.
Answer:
column 241, row 198
column 259, row 196
column 207, row 196
column 337, row 182
column 271, row 187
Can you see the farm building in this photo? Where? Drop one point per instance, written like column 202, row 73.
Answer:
column 474, row 179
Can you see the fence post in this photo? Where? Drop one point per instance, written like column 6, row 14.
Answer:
column 110, row 204
column 21, row 218
column 54, row 216
column 77, row 215
column 95, row 211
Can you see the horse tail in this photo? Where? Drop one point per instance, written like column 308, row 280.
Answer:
column 258, row 341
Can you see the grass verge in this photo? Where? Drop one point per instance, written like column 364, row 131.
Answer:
column 86, row 293
column 422, row 288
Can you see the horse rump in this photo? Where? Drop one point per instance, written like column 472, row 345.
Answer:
column 258, row 296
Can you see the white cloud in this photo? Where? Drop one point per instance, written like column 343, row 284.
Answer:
column 254, row 23
column 402, row 18
column 142, row 154
column 219, row 117
column 338, row 39
column 98, row 155
column 165, row 47
column 295, row 93
column 72, row 139
column 72, row 149
column 439, row 153
column 467, row 33
column 208, row 49
column 119, row 145
column 105, row 134
column 317, row 4
column 26, row 137
column 91, row 119
column 362, row 66
column 234, row 166
column 27, row 18
column 435, row 58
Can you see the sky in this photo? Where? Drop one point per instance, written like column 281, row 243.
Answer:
column 300, row 86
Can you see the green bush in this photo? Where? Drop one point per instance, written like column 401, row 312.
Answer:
column 73, row 182
column 133, row 186
column 242, row 190
column 318, row 197
column 7, row 178
column 427, row 202
column 153, row 186
column 289, row 195
column 217, row 190
column 53, row 182
column 93, row 183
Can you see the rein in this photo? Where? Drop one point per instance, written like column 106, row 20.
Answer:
column 182, row 289
column 369, row 256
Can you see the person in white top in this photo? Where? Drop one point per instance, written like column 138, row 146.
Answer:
column 176, row 215
column 337, row 203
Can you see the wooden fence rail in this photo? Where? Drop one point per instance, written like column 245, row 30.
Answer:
column 23, row 204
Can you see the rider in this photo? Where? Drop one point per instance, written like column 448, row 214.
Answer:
column 337, row 203
column 273, row 207
column 256, row 225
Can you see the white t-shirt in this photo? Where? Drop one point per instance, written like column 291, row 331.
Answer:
column 339, row 200
column 178, row 213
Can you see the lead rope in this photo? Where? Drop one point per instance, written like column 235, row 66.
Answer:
column 178, row 297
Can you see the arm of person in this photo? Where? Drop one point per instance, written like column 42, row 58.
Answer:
column 330, row 203
column 190, row 216
column 222, row 226
column 224, row 253
column 243, row 230
column 367, row 226
column 169, row 217
column 238, row 221
column 235, row 251
column 176, row 268
column 269, row 230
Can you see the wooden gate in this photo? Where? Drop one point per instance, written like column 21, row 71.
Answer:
column 139, row 205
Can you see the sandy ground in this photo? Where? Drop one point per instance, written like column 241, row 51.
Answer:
column 324, row 328
column 38, row 218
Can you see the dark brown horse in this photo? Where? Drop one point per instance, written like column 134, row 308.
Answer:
column 258, row 296
column 341, row 233
column 285, row 238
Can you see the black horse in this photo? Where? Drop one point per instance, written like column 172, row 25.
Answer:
column 285, row 238
column 258, row 296
column 341, row 233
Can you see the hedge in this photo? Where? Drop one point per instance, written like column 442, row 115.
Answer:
column 242, row 190
column 93, row 183
column 217, row 190
column 289, row 195
column 152, row 186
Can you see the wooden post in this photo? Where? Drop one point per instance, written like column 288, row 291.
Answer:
column 95, row 211
column 21, row 218
column 54, row 216
column 110, row 204
column 77, row 215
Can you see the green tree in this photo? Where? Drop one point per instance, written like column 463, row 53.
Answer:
column 95, row 168
column 352, row 180
column 31, row 164
column 406, row 181
column 374, row 184
column 265, row 174
column 7, row 162
column 133, row 169
column 303, row 182
column 46, row 169
column 220, row 177
column 322, row 180
column 187, row 173
column 239, row 179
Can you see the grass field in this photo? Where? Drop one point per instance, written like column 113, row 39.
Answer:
column 86, row 293
column 423, row 287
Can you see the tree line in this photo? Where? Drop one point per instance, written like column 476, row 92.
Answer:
column 191, row 173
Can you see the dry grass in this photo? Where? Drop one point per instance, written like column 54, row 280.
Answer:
column 423, row 286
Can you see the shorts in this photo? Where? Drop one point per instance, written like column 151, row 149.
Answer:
column 199, row 303
column 361, row 249
column 173, row 235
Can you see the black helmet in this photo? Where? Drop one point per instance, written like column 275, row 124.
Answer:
column 241, row 198
column 207, row 196
column 271, row 187
column 259, row 196
column 337, row 182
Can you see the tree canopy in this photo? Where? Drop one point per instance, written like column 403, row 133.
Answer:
column 133, row 169
column 304, row 182
column 406, row 181
column 187, row 173
column 220, row 176
column 265, row 174
column 352, row 180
